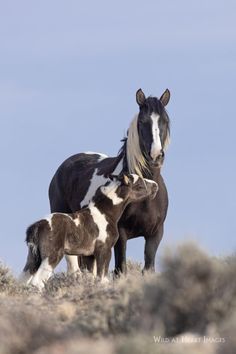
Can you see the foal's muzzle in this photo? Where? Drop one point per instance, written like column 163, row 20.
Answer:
column 154, row 190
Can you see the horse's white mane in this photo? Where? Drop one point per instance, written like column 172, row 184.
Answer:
column 135, row 159
column 167, row 141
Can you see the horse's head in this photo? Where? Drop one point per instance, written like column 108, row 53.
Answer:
column 153, row 126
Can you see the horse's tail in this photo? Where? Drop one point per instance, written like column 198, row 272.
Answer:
column 32, row 239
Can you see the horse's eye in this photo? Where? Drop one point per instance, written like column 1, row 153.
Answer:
column 144, row 123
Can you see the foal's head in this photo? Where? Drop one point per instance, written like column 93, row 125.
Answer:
column 131, row 188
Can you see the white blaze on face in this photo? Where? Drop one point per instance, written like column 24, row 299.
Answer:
column 110, row 192
column 156, row 144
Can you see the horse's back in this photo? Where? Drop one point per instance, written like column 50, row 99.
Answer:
column 70, row 183
column 69, row 178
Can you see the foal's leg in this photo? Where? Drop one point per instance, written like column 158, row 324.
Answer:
column 43, row 274
column 31, row 266
column 87, row 263
column 72, row 264
column 120, row 253
column 151, row 244
column 45, row 271
column 107, row 262
column 58, row 204
column 103, row 257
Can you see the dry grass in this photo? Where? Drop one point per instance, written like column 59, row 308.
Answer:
column 191, row 306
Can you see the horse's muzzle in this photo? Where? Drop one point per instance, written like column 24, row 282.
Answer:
column 158, row 160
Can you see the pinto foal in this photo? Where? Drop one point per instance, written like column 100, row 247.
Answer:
column 90, row 231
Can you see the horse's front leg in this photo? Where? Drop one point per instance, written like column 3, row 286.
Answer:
column 120, row 253
column 151, row 244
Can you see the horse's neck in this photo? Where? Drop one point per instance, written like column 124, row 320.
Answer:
column 121, row 161
column 156, row 174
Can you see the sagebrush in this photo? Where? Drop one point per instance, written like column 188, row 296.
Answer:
column 190, row 305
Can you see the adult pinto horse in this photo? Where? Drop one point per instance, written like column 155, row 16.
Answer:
column 143, row 151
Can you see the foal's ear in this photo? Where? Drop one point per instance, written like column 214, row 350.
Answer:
column 140, row 97
column 126, row 180
column 165, row 97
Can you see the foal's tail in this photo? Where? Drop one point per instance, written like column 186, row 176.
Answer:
column 32, row 239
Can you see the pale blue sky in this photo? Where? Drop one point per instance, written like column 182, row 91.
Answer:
column 69, row 73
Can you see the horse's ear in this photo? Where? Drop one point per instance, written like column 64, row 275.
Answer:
column 140, row 97
column 165, row 97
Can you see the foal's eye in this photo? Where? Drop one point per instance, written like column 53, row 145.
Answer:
column 139, row 188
